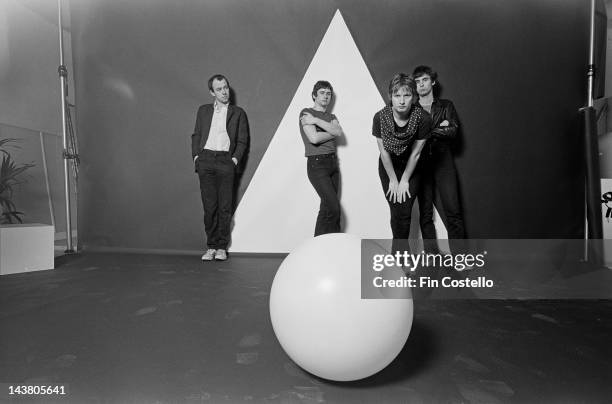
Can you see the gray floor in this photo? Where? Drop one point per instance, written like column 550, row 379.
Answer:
column 127, row 328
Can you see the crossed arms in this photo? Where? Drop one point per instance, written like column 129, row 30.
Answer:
column 330, row 129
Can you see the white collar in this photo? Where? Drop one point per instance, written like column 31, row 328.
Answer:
column 219, row 106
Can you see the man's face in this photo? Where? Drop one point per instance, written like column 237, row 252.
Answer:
column 401, row 100
column 220, row 90
column 424, row 85
column 323, row 97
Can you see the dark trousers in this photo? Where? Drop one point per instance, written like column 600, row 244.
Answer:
column 439, row 173
column 216, row 171
column 400, row 212
column 324, row 176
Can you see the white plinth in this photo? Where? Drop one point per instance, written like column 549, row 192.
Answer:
column 26, row 247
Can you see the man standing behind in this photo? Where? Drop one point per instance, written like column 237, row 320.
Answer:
column 438, row 166
column 319, row 129
column 218, row 143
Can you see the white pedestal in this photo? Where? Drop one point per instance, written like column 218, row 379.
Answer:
column 26, row 247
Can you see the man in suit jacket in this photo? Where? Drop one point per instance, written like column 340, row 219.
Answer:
column 218, row 143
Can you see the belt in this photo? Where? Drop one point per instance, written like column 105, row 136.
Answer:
column 322, row 156
column 215, row 152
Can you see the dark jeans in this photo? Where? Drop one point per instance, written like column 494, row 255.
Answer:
column 324, row 176
column 400, row 212
column 439, row 173
column 216, row 171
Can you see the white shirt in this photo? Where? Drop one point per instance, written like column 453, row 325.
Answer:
column 218, row 139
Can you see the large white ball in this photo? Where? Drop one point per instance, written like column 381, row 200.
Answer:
column 320, row 319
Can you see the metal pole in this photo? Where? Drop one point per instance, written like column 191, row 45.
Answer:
column 590, row 76
column 591, row 69
column 63, row 73
column 593, row 227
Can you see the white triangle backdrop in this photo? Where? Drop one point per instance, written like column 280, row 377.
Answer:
column 279, row 208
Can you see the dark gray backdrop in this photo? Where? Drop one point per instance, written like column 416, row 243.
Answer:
column 515, row 70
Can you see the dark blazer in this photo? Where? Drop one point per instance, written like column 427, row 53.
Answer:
column 237, row 129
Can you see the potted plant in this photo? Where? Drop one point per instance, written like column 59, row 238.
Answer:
column 9, row 177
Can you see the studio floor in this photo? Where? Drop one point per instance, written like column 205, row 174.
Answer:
column 134, row 328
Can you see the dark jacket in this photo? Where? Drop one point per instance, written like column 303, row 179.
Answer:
column 443, row 110
column 237, row 129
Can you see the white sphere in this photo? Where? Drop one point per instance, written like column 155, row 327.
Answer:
column 320, row 319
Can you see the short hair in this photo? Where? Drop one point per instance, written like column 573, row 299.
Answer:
column 218, row 77
column 425, row 70
column 402, row 80
column 319, row 85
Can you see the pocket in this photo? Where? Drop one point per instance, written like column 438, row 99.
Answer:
column 317, row 164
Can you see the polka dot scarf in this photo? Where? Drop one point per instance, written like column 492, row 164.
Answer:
column 397, row 142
